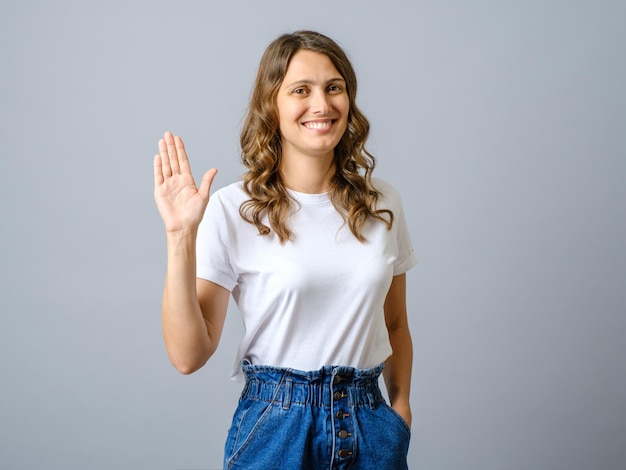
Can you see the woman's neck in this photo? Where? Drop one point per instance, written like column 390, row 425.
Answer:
column 306, row 174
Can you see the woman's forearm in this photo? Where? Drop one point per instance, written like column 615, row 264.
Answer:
column 398, row 367
column 185, row 333
column 397, row 372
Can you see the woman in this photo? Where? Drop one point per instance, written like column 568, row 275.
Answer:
column 314, row 253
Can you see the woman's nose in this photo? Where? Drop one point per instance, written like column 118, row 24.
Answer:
column 320, row 103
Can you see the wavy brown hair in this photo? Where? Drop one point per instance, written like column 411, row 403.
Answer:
column 352, row 192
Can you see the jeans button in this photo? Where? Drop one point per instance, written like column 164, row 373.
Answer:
column 337, row 379
column 340, row 414
column 338, row 395
column 343, row 453
column 343, row 434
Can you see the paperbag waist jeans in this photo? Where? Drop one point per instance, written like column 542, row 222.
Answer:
column 332, row 418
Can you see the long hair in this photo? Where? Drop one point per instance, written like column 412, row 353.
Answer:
column 351, row 192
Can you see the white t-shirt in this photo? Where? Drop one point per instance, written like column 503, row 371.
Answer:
column 316, row 300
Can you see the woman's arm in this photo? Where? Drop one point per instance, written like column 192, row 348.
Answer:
column 397, row 371
column 193, row 311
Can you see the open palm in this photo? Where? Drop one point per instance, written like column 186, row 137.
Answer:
column 180, row 202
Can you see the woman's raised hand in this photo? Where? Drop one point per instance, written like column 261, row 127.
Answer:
column 180, row 202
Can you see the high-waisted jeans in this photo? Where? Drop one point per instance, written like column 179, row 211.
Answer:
column 333, row 418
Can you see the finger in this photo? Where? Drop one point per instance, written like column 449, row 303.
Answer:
column 183, row 160
column 207, row 181
column 165, row 159
column 158, row 171
column 171, row 152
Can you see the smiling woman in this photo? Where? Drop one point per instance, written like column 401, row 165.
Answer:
column 348, row 179
column 313, row 108
column 315, row 254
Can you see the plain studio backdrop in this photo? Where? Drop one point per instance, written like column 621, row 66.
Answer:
column 503, row 125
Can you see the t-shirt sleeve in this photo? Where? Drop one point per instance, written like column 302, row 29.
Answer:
column 406, row 255
column 212, row 247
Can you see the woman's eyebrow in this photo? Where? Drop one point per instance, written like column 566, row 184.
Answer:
column 311, row 82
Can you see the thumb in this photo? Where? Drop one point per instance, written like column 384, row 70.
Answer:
column 207, row 180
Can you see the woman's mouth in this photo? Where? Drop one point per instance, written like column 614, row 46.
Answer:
column 318, row 124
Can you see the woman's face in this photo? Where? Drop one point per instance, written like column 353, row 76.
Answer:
column 313, row 106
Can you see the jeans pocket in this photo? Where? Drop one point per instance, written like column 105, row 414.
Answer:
column 399, row 418
column 247, row 423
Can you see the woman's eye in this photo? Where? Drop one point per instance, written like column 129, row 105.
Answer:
column 334, row 88
column 299, row 91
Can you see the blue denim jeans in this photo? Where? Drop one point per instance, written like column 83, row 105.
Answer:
column 333, row 418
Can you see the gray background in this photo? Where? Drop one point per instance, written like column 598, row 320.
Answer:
column 501, row 122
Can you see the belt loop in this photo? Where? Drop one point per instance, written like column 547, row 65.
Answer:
column 371, row 399
column 287, row 394
column 246, row 388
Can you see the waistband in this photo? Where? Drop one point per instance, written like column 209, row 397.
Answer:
column 322, row 387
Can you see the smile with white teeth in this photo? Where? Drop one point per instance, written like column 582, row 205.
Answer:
column 318, row 125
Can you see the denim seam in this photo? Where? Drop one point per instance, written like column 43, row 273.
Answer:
column 237, row 453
